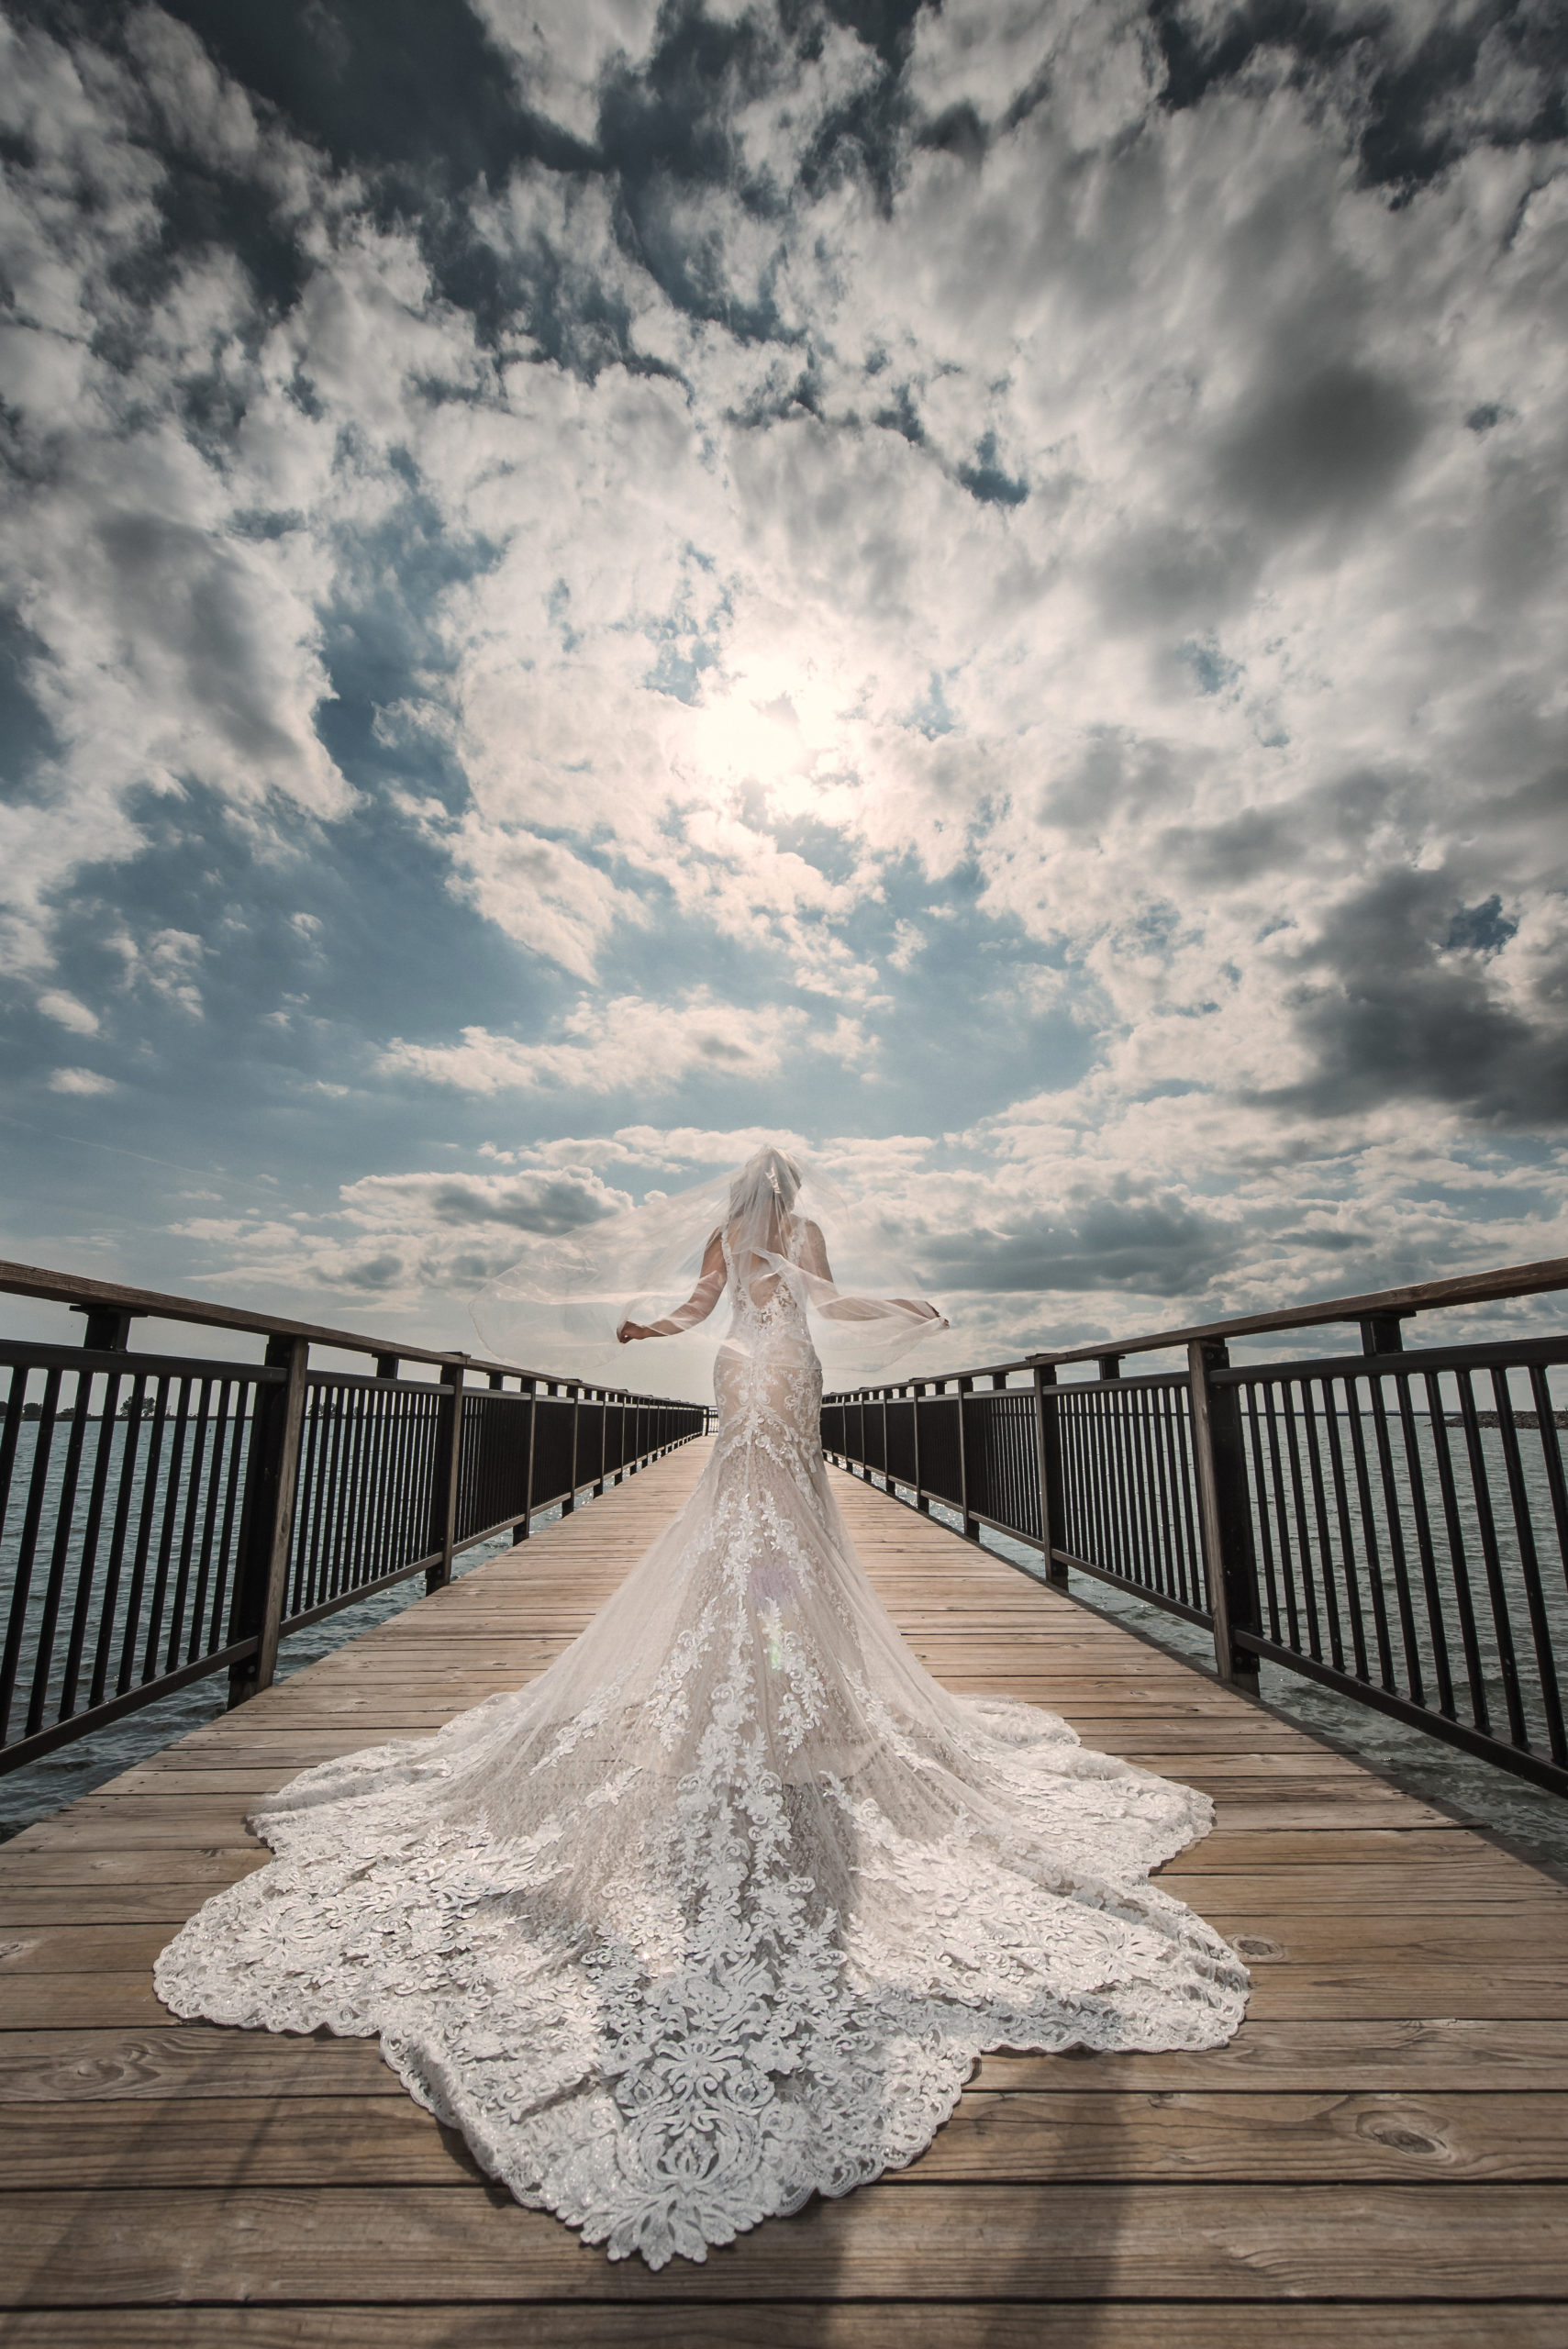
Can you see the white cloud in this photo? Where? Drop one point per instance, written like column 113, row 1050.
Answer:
column 627, row 1043
column 561, row 47
column 69, row 1010
column 80, row 1080
column 1129, row 511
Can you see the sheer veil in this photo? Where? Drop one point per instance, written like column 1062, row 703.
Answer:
column 718, row 1910
column 559, row 1307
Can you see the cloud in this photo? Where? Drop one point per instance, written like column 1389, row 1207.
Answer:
column 1161, row 1248
column 56, row 1004
column 627, row 1044
column 1405, row 991
column 1331, row 446
column 557, row 1202
column 80, row 1080
column 987, row 593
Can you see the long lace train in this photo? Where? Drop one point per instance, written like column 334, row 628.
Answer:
column 719, row 1911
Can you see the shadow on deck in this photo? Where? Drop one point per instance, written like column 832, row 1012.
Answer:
column 1378, row 2156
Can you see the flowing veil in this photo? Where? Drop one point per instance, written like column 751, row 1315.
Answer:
column 717, row 1909
column 559, row 1307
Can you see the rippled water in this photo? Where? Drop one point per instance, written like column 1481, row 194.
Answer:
column 1421, row 1764
column 41, row 1787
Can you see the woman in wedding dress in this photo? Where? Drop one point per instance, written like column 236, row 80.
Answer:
column 718, row 1912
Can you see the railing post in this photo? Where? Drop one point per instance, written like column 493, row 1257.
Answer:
column 520, row 1531
column 1048, row 1445
column 971, row 1529
column 107, row 1330
column 922, row 1498
column 448, row 1466
column 1225, row 1513
column 1382, row 1333
column 570, row 1503
column 262, row 1570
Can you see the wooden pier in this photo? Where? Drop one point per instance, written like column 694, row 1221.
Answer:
column 1378, row 2157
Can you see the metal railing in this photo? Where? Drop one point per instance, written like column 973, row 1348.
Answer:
column 1393, row 1523
column 164, row 1517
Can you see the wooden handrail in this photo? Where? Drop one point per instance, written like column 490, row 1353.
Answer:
column 1419, row 1296
column 1396, row 1304
column 74, row 1288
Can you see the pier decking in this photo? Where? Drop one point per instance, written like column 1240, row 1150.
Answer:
column 1378, row 2157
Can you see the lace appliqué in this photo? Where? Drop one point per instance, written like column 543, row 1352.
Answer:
column 718, row 1912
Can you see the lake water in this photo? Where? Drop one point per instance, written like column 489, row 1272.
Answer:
column 1534, row 1818
column 1462, row 1783
column 41, row 1787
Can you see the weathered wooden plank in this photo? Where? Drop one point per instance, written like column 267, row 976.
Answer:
column 201, row 2144
column 194, row 2059
column 1532, row 1932
column 1047, row 2135
column 1360, row 1842
column 293, row 1744
column 1325, row 2053
column 1393, row 1945
column 1280, row 1993
column 27, row 1867
column 674, row 2323
column 186, row 2060
column 1485, row 1883
column 1303, row 1920
column 887, row 2241
column 26, row 1909
column 1254, row 1777
column 1392, row 1993
column 1364, row 1912
column 37, row 2001
column 1006, row 2136
column 172, row 1822
column 1246, row 1814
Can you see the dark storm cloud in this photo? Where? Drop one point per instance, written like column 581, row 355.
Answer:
column 1420, row 103
column 1182, row 574
column 550, row 1204
column 371, row 1272
column 1330, row 447
column 421, row 101
column 1117, row 775
column 1259, row 841
column 418, row 91
column 196, row 597
column 1157, row 1248
column 25, row 733
column 1400, row 1001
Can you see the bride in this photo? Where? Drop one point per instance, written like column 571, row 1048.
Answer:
column 718, row 1912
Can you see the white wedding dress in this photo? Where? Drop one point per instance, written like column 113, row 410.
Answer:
column 718, row 1912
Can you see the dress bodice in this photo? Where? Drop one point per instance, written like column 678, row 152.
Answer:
column 750, row 1317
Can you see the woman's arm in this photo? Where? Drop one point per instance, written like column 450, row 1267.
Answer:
column 697, row 1307
column 814, row 1259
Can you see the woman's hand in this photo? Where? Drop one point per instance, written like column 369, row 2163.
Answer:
column 631, row 1329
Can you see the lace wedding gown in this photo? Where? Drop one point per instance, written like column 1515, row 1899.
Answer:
column 720, row 1911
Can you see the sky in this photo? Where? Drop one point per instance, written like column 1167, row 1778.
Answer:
column 981, row 589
